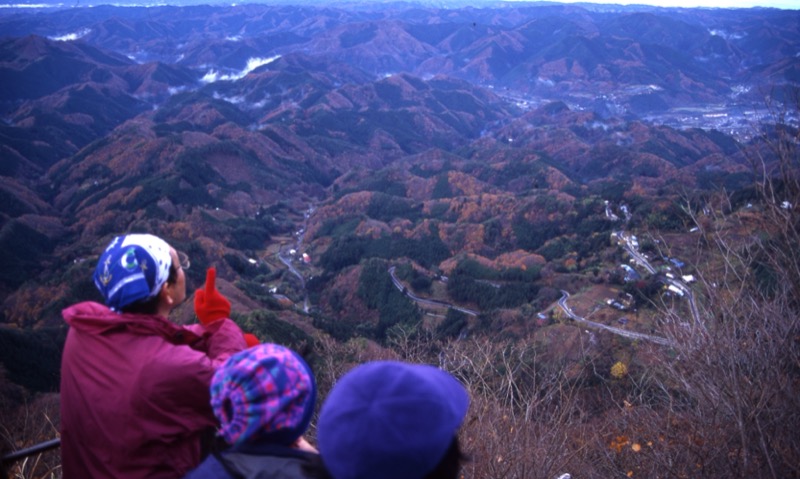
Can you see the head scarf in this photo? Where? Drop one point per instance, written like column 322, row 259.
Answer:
column 132, row 268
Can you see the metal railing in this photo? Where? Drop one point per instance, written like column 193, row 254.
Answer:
column 7, row 459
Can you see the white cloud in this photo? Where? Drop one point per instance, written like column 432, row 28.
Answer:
column 71, row 36
column 211, row 76
column 32, row 5
column 254, row 63
column 241, row 101
column 214, row 76
column 726, row 35
column 545, row 81
column 230, row 99
column 784, row 4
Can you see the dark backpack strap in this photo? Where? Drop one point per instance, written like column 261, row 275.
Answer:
column 208, row 442
column 222, row 462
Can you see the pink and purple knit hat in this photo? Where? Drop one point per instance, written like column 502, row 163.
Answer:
column 264, row 393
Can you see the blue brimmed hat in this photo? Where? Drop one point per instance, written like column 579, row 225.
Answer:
column 390, row 420
column 133, row 268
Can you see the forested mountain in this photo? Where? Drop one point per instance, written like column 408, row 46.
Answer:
column 399, row 179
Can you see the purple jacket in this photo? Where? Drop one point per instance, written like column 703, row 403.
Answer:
column 135, row 392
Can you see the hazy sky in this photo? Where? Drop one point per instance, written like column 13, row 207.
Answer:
column 786, row 4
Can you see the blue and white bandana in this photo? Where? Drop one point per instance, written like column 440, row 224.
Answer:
column 133, row 268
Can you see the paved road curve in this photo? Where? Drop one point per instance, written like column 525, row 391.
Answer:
column 429, row 302
column 641, row 260
column 562, row 303
column 288, row 261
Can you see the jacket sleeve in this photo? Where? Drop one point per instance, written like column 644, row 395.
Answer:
column 221, row 339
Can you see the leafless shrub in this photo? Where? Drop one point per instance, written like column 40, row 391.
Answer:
column 731, row 384
column 25, row 421
column 525, row 417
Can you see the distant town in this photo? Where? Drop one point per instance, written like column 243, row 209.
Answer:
column 740, row 120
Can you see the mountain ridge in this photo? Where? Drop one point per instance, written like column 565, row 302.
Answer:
column 414, row 130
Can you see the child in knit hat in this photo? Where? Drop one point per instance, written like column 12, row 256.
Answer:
column 393, row 420
column 263, row 398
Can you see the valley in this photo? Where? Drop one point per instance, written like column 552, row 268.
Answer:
column 588, row 215
column 464, row 144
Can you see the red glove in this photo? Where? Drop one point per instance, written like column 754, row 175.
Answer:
column 209, row 304
column 251, row 340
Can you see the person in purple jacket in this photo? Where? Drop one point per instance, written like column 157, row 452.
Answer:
column 135, row 386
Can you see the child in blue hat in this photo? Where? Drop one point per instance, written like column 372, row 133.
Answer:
column 393, row 420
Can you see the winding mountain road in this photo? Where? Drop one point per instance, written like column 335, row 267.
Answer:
column 293, row 270
column 288, row 260
column 643, row 262
column 562, row 303
column 640, row 260
column 429, row 302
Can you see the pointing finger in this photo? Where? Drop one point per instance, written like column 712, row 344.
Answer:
column 211, row 278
